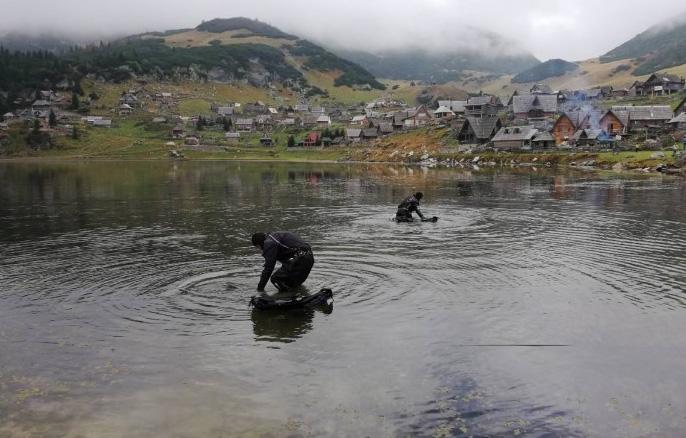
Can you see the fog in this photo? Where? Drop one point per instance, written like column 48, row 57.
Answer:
column 549, row 29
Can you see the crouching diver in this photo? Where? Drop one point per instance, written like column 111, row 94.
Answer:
column 409, row 205
column 294, row 254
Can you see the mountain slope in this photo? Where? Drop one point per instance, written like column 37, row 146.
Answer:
column 233, row 52
column 545, row 70
column 657, row 48
column 470, row 50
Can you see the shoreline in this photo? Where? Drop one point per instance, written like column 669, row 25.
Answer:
column 511, row 161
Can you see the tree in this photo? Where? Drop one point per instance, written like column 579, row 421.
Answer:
column 75, row 133
column 291, row 141
column 52, row 119
column 227, row 124
column 201, row 123
column 75, row 103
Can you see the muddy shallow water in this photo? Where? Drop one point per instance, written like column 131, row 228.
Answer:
column 538, row 305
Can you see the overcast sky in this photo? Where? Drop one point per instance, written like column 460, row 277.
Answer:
column 548, row 28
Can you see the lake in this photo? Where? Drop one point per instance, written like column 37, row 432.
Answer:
column 540, row 304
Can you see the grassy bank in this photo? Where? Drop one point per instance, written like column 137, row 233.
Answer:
column 136, row 139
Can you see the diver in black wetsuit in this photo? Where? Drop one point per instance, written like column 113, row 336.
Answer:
column 409, row 205
column 294, row 254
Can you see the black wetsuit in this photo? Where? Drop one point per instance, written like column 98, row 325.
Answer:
column 295, row 256
column 405, row 209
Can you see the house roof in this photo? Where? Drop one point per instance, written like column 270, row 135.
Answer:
column 543, row 136
column 681, row 118
column 590, row 134
column 386, row 128
column 456, row 106
column 244, row 121
column 233, row 135
column 323, row 119
column 515, row 133
column 655, row 112
column 480, row 100
column 41, row 102
column 623, row 116
column 545, row 102
column 483, row 127
column 359, row 118
column 353, row 132
column 370, row 132
column 443, row 110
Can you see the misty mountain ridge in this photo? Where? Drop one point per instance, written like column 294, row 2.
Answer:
column 221, row 50
column 659, row 47
column 446, row 57
column 548, row 69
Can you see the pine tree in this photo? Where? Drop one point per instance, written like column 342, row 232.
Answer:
column 75, row 133
column 291, row 141
column 52, row 119
column 227, row 124
column 75, row 104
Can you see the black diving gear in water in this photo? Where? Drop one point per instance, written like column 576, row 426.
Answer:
column 295, row 256
column 322, row 299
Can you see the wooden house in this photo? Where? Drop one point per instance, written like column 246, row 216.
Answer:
column 568, row 123
column 360, row 120
column 312, row 139
column 514, row 138
column 125, row 109
column 483, row 106
column 178, row 131
column 370, row 133
column 652, row 118
column 323, row 121
column 417, row 117
column 245, row 125
column 681, row 107
column 528, row 107
column 443, row 112
column 588, row 137
column 659, row 84
column 678, row 122
column 478, row 130
column 456, row 106
column 614, row 122
column 353, row 134
column 233, row 137
column 543, row 140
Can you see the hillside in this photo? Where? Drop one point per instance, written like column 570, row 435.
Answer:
column 549, row 69
column 662, row 46
column 235, row 51
column 490, row 53
column 591, row 73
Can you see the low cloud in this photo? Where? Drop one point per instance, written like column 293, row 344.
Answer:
column 551, row 29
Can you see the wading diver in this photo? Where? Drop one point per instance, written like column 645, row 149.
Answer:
column 294, row 254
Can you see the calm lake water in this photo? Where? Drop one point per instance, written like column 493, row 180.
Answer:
column 539, row 304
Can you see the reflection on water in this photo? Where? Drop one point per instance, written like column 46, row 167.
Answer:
column 540, row 304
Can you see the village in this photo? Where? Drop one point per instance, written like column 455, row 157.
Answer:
column 535, row 119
